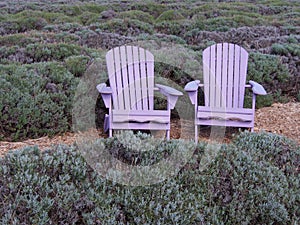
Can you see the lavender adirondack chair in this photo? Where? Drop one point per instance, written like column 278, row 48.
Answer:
column 224, row 76
column 130, row 97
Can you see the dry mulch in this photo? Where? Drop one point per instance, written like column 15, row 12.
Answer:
column 283, row 119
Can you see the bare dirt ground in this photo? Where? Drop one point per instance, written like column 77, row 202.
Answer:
column 283, row 119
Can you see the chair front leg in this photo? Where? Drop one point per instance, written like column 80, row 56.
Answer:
column 253, row 108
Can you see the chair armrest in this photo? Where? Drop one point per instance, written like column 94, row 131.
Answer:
column 168, row 90
column 192, row 85
column 106, row 93
column 257, row 88
column 171, row 93
column 103, row 89
column 192, row 89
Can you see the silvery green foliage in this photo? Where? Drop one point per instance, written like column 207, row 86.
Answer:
column 254, row 180
column 35, row 100
column 136, row 159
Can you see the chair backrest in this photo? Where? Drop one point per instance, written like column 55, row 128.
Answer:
column 224, row 75
column 131, row 77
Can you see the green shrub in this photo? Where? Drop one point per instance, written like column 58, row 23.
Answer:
column 17, row 40
column 272, row 148
column 73, row 10
column 279, row 49
column 36, row 100
column 177, row 28
column 154, row 9
column 255, row 180
column 65, row 27
column 48, row 17
column 49, row 52
column 261, row 100
column 66, row 37
column 77, row 65
column 250, row 21
column 127, row 27
column 24, row 21
column 268, row 71
column 170, row 15
column 53, row 187
column 42, row 52
column 95, row 8
column 244, row 191
column 31, row 23
column 219, row 24
column 286, row 49
column 137, row 15
column 163, row 38
column 87, row 18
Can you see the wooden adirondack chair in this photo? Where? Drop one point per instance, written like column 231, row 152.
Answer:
column 130, row 97
column 224, row 76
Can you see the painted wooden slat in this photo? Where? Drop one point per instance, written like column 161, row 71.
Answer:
column 224, row 76
column 222, row 110
column 225, row 116
column 230, row 75
column 212, row 77
column 131, row 77
column 137, row 77
column 160, row 116
column 140, row 118
column 218, row 88
column 228, row 123
column 119, row 87
column 142, row 126
column 143, row 79
column 150, row 74
column 110, row 63
column 206, row 65
column 237, row 54
column 243, row 72
column 124, row 73
column 155, row 112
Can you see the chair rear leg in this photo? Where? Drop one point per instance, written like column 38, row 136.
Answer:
column 168, row 134
column 196, row 134
column 110, row 133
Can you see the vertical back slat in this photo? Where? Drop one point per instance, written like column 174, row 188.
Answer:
column 119, row 87
column 218, row 82
column 131, row 77
column 237, row 54
column 230, row 75
column 143, row 79
column 243, row 75
column 150, row 74
column 224, row 76
column 212, row 76
column 137, row 77
column 124, row 73
column 110, row 63
column 206, row 71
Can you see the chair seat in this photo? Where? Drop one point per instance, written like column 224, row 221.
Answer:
column 140, row 116
column 239, row 114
